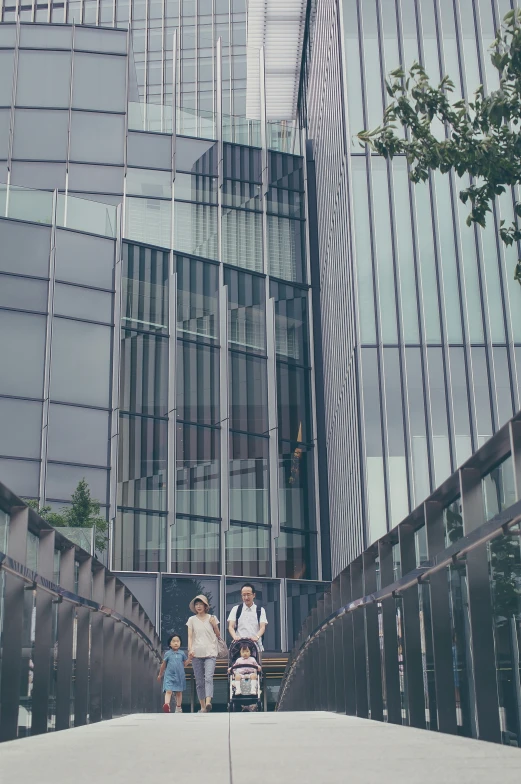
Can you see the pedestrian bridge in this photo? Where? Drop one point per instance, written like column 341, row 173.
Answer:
column 279, row 748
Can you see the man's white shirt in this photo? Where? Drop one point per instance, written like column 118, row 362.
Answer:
column 248, row 625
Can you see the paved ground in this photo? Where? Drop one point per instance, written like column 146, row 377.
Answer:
column 272, row 748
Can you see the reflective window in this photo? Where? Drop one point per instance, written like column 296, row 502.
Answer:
column 195, row 229
column 302, row 598
column 149, row 221
column 23, row 293
column 6, row 69
column 21, row 476
column 25, row 249
column 499, row 491
column 242, row 239
column 176, row 595
column 31, row 145
column 396, row 460
column 140, row 542
column 20, row 428
column 96, row 179
column 291, row 322
column 149, row 150
column 197, row 298
column 145, row 289
column 23, row 353
column 197, row 383
column 196, row 187
column 100, row 40
column 78, row 435
column 248, row 393
column 267, row 595
column 144, row 374
column 83, row 303
column 296, row 555
column 373, row 445
column 196, row 546
column 81, row 363
column 246, row 311
column 147, row 182
column 62, row 481
column 198, row 475
column 286, row 245
column 87, row 128
column 45, row 36
column 142, row 463
column 293, row 401
column 44, row 79
column 249, row 497
column 5, row 126
column 296, row 490
column 85, row 260
column 99, row 82
column 197, row 156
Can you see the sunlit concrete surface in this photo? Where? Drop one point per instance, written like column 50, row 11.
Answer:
column 269, row 748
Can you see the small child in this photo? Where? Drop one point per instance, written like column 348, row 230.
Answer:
column 248, row 667
column 174, row 662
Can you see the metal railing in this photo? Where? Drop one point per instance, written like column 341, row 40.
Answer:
column 424, row 628
column 75, row 645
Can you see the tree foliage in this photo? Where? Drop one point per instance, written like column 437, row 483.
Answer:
column 482, row 136
column 84, row 513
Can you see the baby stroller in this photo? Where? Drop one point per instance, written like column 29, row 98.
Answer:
column 247, row 694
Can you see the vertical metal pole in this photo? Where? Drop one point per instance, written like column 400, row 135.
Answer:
column 357, row 583
column 441, row 625
column 65, row 638
column 119, row 651
column 134, row 658
column 13, row 613
column 96, row 649
column 142, row 667
column 348, row 644
column 126, row 662
column 480, row 611
column 83, row 615
column 109, row 665
column 322, row 657
column 43, row 637
column 338, row 650
column 374, row 662
column 314, row 664
column 391, row 670
column 412, row 632
column 116, row 352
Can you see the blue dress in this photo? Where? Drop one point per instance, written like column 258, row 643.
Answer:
column 174, row 678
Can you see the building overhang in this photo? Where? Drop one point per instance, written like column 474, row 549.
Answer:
column 278, row 26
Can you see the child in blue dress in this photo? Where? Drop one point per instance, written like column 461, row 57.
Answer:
column 173, row 668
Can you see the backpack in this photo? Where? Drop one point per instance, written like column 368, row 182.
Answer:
column 239, row 612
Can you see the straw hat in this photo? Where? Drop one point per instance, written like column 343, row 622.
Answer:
column 200, row 598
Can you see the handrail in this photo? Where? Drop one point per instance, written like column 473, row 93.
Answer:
column 494, row 527
column 33, row 578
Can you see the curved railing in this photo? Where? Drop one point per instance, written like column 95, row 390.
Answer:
column 424, row 628
column 76, row 646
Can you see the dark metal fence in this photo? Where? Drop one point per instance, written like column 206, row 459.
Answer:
column 75, row 645
column 424, row 628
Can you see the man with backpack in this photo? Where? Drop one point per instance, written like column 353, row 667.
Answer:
column 248, row 620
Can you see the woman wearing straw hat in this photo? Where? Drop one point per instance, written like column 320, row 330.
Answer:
column 203, row 631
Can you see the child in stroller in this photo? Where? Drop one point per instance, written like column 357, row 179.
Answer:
column 245, row 676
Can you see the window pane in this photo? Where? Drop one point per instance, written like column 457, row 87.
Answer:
column 82, row 303
column 242, row 239
column 246, row 311
column 176, row 595
column 293, row 400
column 21, row 476
column 248, row 394
column 149, row 150
column 196, row 187
column 25, row 249
column 62, row 481
column 286, row 248
column 23, row 354
column 99, row 82
column 248, row 551
column 195, row 229
column 44, row 79
column 144, row 374
column 301, row 600
column 78, row 435
column 196, row 156
column 198, row 478
column 145, row 289
column 146, row 182
column 195, row 546
column 81, row 363
column 197, row 298
column 197, row 383
column 20, row 428
column 140, row 542
column 291, row 322
column 87, row 128
column 84, row 259
column 499, row 490
column 23, row 293
column 296, row 491
column 149, row 221
column 6, row 69
column 30, row 144
column 249, row 497
column 95, row 179
column 142, row 468
column 296, row 555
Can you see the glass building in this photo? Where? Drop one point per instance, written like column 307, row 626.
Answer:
column 156, row 322
column 420, row 337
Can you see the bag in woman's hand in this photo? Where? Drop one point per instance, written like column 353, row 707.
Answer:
column 222, row 648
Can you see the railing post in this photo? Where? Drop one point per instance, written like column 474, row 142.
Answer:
column 322, row 657
column 65, row 637
column 141, row 663
column 412, row 632
column 357, row 590
column 119, row 651
column 109, row 665
column 330, row 656
column 43, row 637
column 96, row 649
column 372, row 633
column 480, row 611
column 126, row 661
column 391, row 669
column 440, row 622
column 135, row 659
column 338, row 652
column 314, row 658
column 348, row 644
column 83, row 663
column 13, row 616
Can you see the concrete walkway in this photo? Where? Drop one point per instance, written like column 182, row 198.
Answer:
column 272, row 748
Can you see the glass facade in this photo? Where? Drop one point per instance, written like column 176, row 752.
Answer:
column 419, row 331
